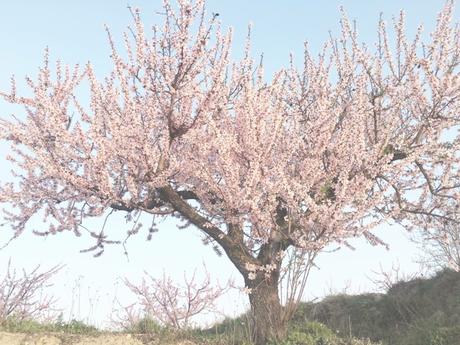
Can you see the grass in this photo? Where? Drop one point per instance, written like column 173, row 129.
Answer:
column 31, row 326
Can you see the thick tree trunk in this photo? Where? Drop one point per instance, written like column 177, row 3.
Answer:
column 266, row 311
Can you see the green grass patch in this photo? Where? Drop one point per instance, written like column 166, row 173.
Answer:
column 32, row 326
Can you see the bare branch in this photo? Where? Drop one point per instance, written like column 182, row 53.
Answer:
column 23, row 296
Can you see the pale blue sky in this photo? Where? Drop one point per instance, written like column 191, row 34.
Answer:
column 73, row 31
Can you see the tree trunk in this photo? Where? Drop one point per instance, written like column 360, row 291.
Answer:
column 266, row 311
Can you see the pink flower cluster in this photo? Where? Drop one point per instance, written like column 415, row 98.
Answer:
column 356, row 137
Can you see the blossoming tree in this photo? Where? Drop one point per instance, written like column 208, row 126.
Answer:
column 315, row 155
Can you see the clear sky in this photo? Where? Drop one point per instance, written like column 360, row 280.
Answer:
column 73, row 31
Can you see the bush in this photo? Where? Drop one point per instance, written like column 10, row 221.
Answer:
column 310, row 333
column 73, row 326
column 432, row 335
column 146, row 326
column 235, row 331
column 315, row 333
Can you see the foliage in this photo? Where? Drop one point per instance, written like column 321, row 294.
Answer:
column 360, row 314
column 430, row 332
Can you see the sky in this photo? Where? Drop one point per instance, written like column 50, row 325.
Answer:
column 74, row 32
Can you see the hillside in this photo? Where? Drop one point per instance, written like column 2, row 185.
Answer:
column 416, row 312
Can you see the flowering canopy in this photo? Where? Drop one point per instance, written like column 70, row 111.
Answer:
column 318, row 154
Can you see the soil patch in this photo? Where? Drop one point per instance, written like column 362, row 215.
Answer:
column 76, row 339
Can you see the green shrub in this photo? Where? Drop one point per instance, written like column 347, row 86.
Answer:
column 22, row 326
column 310, row 333
column 73, row 326
column 433, row 335
column 146, row 326
column 234, row 331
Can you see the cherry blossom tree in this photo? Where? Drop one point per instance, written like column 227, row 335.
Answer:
column 356, row 137
column 173, row 305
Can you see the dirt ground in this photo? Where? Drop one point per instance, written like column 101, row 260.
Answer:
column 65, row 339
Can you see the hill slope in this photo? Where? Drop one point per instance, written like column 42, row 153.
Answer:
column 416, row 312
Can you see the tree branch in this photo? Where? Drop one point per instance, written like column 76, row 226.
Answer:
column 238, row 255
